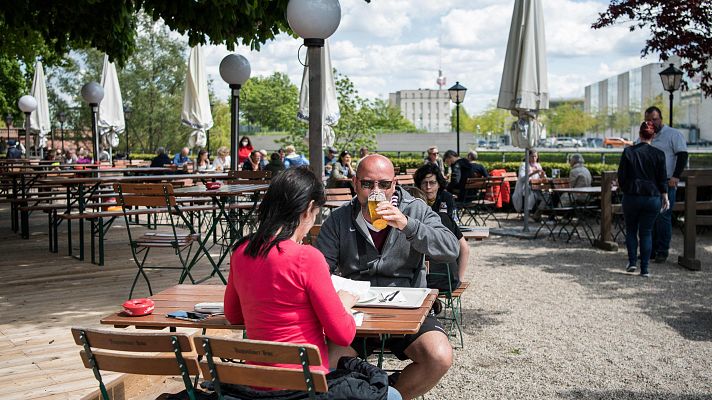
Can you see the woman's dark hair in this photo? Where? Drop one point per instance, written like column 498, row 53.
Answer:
column 342, row 155
column 426, row 170
column 200, row 154
column 274, row 156
column 647, row 131
column 287, row 198
column 249, row 142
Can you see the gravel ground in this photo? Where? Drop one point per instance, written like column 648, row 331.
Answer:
column 551, row 320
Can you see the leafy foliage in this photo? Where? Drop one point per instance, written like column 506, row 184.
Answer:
column 568, row 119
column 680, row 27
column 271, row 102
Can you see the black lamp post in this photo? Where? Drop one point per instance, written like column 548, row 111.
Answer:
column 93, row 93
column 671, row 78
column 62, row 117
column 127, row 116
column 8, row 122
column 314, row 21
column 27, row 105
column 457, row 95
column 235, row 70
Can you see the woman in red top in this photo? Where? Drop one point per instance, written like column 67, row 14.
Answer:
column 280, row 289
column 244, row 149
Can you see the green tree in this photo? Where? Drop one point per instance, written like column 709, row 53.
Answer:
column 492, row 120
column 271, row 102
column 389, row 119
column 567, row 119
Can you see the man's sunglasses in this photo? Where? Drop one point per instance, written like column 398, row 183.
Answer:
column 383, row 185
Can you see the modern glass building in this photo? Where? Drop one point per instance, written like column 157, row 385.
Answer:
column 637, row 89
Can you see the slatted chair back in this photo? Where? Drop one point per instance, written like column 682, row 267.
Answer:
column 310, row 238
column 540, row 184
column 338, row 194
column 248, row 177
column 560, row 183
column 405, row 180
column 474, row 189
column 145, row 194
column 410, row 171
column 257, row 351
column 125, row 352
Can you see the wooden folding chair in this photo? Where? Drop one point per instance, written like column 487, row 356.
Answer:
column 156, row 195
column 125, row 352
column 237, row 373
column 405, row 180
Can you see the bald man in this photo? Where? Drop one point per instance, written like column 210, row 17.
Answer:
column 392, row 256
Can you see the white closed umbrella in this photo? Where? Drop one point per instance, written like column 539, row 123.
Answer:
column 111, row 121
column 330, row 103
column 196, row 102
column 525, row 86
column 39, row 119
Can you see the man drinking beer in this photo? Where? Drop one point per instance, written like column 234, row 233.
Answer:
column 390, row 253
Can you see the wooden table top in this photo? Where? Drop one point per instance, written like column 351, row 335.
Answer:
column 475, row 233
column 224, row 190
column 89, row 171
column 394, row 321
column 142, row 178
column 582, row 190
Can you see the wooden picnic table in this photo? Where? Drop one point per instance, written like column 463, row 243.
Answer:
column 376, row 321
column 475, row 232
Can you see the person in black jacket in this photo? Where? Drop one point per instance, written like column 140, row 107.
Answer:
column 462, row 170
column 642, row 178
column 161, row 159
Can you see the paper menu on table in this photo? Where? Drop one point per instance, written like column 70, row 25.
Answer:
column 359, row 288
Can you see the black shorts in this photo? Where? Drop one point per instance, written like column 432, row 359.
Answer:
column 398, row 344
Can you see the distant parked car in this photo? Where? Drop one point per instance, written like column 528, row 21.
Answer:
column 594, row 142
column 482, row 143
column 493, row 144
column 565, row 141
column 611, row 142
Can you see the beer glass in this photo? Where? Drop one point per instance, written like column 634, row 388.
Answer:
column 373, row 199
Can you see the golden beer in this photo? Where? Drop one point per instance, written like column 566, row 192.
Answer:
column 376, row 220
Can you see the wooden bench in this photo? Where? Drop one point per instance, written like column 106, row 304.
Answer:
column 694, row 179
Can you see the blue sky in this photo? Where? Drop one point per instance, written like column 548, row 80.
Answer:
column 391, row 45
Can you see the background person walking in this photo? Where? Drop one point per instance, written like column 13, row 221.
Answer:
column 642, row 178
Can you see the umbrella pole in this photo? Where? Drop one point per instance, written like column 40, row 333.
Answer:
column 527, row 189
column 316, row 156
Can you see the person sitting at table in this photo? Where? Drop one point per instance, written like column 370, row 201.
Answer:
column 292, row 159
column 84, row 157
column 280, row 289
column 535, row 169
column 341, row 171
column 265, row 159
column 161, row 159
column 244, row 149
column 392, row 256
column 438, row 273
column 433, row 157
column 253, row 162
column 579, row 176
column 202, row 163
column 13, row 152
column 275, row 165
column 462, row 170
column 431, row 181
column 222, row 161
column 181, row 160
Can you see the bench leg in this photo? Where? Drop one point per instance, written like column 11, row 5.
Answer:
column 81, row 239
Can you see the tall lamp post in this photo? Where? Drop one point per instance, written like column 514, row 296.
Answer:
column 314, row 21
column 672, row 78
column 235, row 70
column 62, row 117
column 93, row 93
column 127, row 116
column 8, row 122
column 457, row 95
column 27, row 105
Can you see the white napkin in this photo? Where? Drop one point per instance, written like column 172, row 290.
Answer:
column 358, row 317
column 359, row 288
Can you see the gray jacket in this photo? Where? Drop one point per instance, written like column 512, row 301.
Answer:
column 348, row 248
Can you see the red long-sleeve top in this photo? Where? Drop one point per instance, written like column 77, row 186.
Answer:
column 287, row 297
column 243, row 153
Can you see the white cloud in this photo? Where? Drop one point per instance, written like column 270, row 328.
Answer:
column 389, row 45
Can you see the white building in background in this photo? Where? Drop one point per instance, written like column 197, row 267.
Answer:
column 636, row 89
column 427, row 109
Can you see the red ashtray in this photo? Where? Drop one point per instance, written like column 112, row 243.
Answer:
column 213, row 185
column 139, row 307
